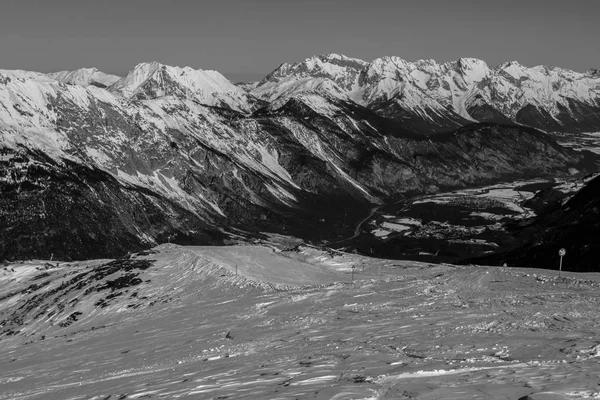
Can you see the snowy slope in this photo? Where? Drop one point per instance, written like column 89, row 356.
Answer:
column 181, row 322
column 378, row 80
column 196, row 166
column 85, row 77
column 154, row 80
column 27, row 116
column 154, row 142
column 338, row 68
column 514, row 86
column 153, row 148
column 94, row 126
column 455, row 92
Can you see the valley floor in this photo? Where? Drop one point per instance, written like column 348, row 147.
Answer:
column 293, row 324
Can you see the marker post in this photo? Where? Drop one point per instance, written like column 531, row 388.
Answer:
column 561, row 253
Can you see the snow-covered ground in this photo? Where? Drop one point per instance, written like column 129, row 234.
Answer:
column 505, row 193
column 294, row 325
column 581, row 141
column 492, row 203
column 399, row 225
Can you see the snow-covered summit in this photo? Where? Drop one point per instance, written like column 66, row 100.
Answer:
column 332, row 64
column 380, row 79
column 474, row 68
column 552, row 89
column 153, row 80
column 340, row 69
column 29, row 109
column 128, row 85
column 85, row 77
column 26, row 75
column 467, row 87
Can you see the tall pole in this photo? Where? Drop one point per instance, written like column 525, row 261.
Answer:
column 353, row 273
column 561, row 253
column 560, row 266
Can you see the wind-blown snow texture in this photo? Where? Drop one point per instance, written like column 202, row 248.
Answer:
column 175, row 153
column 179, row 322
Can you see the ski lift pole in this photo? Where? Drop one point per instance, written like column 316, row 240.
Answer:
column 353, row 273
column 561, row 253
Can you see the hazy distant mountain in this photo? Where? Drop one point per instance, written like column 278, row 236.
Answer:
column 85, row 77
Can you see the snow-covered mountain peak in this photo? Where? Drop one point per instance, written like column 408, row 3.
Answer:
column 539, row 73
column 340, row 70
column 425, row 62
column 192, row 79
column 472, row 66
column 26, row 75
column 148, row 67
column 338, row 58
column 336, row 67
column 153, row 80
column 513, row 68
column 466, row 61
column 508, row 64
column 332, row 58
column 128, row 85
column 386, row 64
column 85, row 77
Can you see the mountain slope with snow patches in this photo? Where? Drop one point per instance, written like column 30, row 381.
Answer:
column 154, row 80
column 85, row 77
column 452, row 93
column 152, row 159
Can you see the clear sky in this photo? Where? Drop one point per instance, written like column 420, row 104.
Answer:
column 246, row 39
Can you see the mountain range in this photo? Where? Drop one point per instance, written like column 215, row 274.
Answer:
column 95, row 165
column 444, row 96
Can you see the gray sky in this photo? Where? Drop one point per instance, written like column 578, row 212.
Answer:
column 248, row 39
